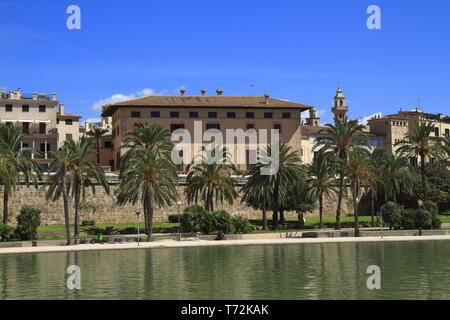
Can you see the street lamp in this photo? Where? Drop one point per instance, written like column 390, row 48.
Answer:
column 179, row 220
column 138, row 213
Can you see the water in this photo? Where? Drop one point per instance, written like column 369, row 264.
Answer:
column 410, row 270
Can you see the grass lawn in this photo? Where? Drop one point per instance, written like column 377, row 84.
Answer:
column 62, row 229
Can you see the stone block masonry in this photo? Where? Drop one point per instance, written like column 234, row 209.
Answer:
column 107, row 211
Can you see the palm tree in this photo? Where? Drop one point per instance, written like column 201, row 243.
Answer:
column 289, row 170
column 322, row 181
column 396, row 176
column 445, row 149
column 361, row 175
column 257, row 192
column 148, row 174
column 211, row 180
column 97, row 133
column 57, row 176
column 16, row 165
column 337, row 141
column 83, row 174
column 419, row 144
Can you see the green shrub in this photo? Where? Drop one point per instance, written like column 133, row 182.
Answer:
column 241, row 225
column 436, row 222
column 6, row 232
column 393, row 214
column 88, row 223
column 197, row 219
column 432, row 207
column 409, row 219
column 424, row 219
column 224, row 222
column 174, row 218
column 27, row 223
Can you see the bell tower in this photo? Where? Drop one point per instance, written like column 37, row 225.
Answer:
column 340, row 108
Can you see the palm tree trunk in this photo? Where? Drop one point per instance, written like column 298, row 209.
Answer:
column 321, row 210
column 77, row 216
column 422, row 171
column 66, row 205
column 282, row 219
column 5, row 206
column 98, row 151
column 372, row 207
column 264, row 216
column 275, row 207
column 145, row 206
column 355, row 208
column 339, row 203
column 150, row 219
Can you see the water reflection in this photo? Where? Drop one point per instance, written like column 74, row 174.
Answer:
column 414, row 270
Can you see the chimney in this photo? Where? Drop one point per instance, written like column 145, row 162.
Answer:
column 266, row 98
column 203, row 91
column 182, row 91
column 35, row 96
column 61, row 109
column 86, row 126
column 219, row 92
column 53, row 96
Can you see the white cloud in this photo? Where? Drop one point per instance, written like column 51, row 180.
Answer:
column 93, row 120
column 119, row 97
column 364, row 120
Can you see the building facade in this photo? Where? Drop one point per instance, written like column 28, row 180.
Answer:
column 39, row 119
column 211, row 112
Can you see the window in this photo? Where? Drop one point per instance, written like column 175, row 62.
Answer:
column 69, row 136
column 69, row 122
column 413, row 162
column 26, row 128
column 212, row 114
column 25, row 145
column 250, row 115
column 9, row 124
column 45, row 147
column 447, row 133
column 286, row 115
column 42, row 109
column 436, row 132
column 57, row 120
column 193, row 114
column 268, row 115
column 135, row 114
column 277, row 127
column 42, row 128
column 212, row 126
column 174, row 114
column 155, row 114
column 231, row 114
column 176, row 126
column 108, row 145
column 25, row 108
column 250, row 126
column 8, row 108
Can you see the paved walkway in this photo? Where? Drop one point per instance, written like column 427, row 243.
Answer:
column 209, row 243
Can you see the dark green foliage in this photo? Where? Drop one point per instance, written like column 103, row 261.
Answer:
column 174, row 218
column 423, row 219
column 409, row 219
column 393, row 214
column 88, row 223
column 104, row 231
column 6, row 232
column 27, row 223
column 241, row 225
column 432, row 207
column 223, row 221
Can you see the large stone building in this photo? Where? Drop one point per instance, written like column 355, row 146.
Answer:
column 212, row 112
column 45, row 127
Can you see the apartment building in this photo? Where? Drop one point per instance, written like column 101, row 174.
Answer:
column 37, row 115
column 212, row 112
column 106, row 144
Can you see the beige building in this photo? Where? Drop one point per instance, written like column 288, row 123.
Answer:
column 37, row 115
column 213, row 112
column 106, row 144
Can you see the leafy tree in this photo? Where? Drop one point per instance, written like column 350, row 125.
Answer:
column 97, row 133
column 337, row 141
column 27, row 223
column 322, row 181
column 361, row 175
column 57, row 172
column 15, row 166
column 419, row 144
column 148, row 174
column 211, row 180
column 83, row 174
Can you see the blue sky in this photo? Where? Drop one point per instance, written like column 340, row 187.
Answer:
column 295, row 50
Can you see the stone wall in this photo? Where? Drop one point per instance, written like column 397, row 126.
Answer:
column 107, row 211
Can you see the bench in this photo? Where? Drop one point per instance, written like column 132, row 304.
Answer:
column 188, row 236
